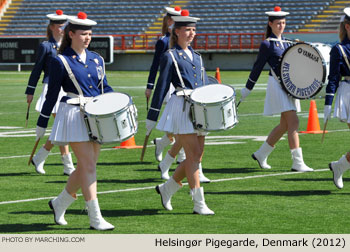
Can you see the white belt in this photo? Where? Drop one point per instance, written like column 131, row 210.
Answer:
column 183, row 92
column 77, row 99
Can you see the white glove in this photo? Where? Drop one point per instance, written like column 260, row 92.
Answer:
column 327, row 113
column 150, row 126
column 40, row 132
column 244, row 93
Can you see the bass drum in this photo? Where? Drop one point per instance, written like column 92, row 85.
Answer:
column 304, row 69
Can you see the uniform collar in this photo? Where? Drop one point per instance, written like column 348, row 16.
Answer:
column 52, row 40
column 346, row 40
column 184, row 55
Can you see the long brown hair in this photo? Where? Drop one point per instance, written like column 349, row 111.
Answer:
column 66, row 41
column 342, row 31
column 268, row 31
column 48, row 31
column 165, row 26
column 173, row 38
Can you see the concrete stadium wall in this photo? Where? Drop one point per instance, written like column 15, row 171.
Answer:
column 224, row 60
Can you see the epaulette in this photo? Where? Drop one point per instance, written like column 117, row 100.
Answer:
column 197, row 53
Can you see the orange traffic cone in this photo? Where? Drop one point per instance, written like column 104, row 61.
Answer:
column 217, row 75
column 128, row 144
column 313, row 124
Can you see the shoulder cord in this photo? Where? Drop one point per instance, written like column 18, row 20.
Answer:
column 181, row 80
column 103, row 74
column 344, row 56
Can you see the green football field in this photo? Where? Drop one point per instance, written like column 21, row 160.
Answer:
column 245, row 198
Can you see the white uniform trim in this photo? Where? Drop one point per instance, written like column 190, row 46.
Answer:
column 44, row 115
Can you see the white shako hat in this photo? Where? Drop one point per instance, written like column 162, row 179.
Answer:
column 58, row 17
column 346, row 16
column 176, row 11
column 185, row 19
column 277, row 13
column 81, row 22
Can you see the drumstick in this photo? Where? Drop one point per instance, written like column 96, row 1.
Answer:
column 238, row 103
column 27, row 116
column 324, row 130
column 33, row 151
column 144, row 146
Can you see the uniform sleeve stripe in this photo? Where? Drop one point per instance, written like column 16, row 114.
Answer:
column 251, row 80
column 330, row 94
column 45, row 116
column 154, row 109
column 31, row 87
column 151, row 84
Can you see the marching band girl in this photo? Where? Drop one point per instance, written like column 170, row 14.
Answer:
column 340, row 67
column 162, row 46
column 182, row 67
column 47, row 50
column 276, row 101
column 86, row 80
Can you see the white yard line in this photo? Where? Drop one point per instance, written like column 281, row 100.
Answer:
column 152, row 187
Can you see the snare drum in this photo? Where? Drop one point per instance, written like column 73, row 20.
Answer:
column 110, row 118
column 304, row 69
column 213, row 107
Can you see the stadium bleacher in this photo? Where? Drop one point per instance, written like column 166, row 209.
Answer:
column 27, row 17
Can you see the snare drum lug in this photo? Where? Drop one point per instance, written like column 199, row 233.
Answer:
column 223, row 115
column 205, row 117
column 99, row 130
column 116, row 126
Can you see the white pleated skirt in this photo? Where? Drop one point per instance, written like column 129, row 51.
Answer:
column 342, row 102
column 168, row 95
column 277, row 100
column 69, row 125
column 176, row 121
column 41, row 100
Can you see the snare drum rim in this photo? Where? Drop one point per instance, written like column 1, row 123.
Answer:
column 122, row 110
column 233, row 97
column 280, row 71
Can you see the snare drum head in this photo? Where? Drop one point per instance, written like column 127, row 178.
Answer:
column 212, row 93
column 303, row 70
column 107, row 103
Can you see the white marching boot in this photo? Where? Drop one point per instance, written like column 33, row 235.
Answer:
column 338, row 168
column 68, row 164
column 164, row 166
column 202, row 178
column 262, row 154
column 160, row 144
column 39, row 160
column 96, row 220
column 298, row 161
column 59, row 206
column 199, row 202
column 166, row 191
column 181, row 156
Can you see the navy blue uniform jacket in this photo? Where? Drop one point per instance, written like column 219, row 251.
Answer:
column 192, row 72
column 88, row 76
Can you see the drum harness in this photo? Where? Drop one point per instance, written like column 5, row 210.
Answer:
column 346, row 78
column 79, row 99
column 183, row 91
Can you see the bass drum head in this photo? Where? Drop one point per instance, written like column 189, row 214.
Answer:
column 212, row 93
column 212, row 80
column 303, row 71
column 107, row 103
